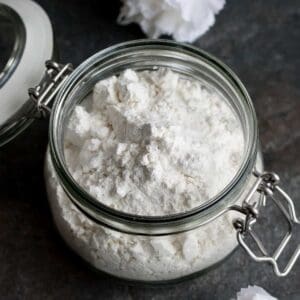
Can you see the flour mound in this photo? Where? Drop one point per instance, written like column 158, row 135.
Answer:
column 153, row 143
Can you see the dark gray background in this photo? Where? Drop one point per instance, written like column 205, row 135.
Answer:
column 259, row 40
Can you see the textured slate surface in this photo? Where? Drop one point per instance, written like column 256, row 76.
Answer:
column 260, row 40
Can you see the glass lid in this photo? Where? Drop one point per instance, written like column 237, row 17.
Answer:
column 26, row 42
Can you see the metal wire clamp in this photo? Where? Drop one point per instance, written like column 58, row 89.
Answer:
column 52, row 81
column 267, row 184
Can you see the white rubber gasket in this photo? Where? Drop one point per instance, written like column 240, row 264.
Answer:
column 38, row 48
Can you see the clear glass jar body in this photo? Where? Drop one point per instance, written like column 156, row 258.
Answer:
column 135, row 247
column 138, row 257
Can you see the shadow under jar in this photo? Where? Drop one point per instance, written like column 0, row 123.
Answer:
column 159, row 249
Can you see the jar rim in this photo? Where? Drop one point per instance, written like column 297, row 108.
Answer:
column 110, row 217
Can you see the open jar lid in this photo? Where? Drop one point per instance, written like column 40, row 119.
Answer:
column 26, row 41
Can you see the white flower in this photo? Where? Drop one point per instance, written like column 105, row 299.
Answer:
column 254, row 293
column 185, row 20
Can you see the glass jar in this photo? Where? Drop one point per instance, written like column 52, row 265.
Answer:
column 159, row 249
column 134, row 247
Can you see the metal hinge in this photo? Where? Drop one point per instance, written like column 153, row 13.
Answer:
column 43, row 94
column 267, row 184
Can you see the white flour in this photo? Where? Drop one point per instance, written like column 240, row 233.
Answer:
column 153, row 143
column 138, row 257
column 150, row 143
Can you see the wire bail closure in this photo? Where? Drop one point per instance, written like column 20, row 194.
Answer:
column 267, row 184
column 43, row 94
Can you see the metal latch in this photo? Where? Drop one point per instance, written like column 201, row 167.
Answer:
column 44, row 93
column 267, row 184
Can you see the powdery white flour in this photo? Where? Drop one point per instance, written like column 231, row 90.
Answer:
column 136, row 257
column 149, row 143
column 153, row 143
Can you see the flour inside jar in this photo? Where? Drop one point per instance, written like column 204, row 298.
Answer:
column 153, row 143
